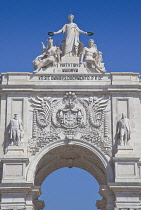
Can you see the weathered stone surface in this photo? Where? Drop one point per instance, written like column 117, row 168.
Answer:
column 70, row 114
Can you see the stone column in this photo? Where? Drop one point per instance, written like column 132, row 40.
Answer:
column 16, row 193
column 127, row 181
column 107, row 203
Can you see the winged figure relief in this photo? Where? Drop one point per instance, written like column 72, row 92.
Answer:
column 96, row 108
column 42, row 108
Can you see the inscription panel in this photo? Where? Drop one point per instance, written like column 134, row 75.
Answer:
column 70, row 77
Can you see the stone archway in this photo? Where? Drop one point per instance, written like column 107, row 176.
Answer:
column 75, row 154
column 69, row 112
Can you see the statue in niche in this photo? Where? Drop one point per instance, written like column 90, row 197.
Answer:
column 71, row 44
column 16, row 131
column 93, row 57
column 123, row 130
column 49, row 58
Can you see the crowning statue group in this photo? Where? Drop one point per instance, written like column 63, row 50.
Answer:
column 71, row 46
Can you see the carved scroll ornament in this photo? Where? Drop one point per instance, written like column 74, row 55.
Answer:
column 70, row 118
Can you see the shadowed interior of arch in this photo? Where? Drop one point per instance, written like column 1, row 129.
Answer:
column 70, row 156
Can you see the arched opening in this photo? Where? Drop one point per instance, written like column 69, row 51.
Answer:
column 70, row 189
column 70, row 156
column 77, row 154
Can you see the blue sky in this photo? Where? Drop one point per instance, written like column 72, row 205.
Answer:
column 24, row 24
column 71, row 189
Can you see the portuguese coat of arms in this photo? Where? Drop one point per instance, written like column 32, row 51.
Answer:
column 69, row 118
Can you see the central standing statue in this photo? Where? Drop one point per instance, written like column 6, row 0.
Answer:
column 72, row 37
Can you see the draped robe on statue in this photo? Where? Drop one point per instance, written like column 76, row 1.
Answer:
column 72, row 36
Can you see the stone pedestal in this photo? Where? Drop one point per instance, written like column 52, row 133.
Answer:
column 14, row 170
column 126, row 165
column 72, row 60
column 17, row 151
column 126, row 187
column 14, row 165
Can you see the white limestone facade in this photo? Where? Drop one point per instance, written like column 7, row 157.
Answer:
column 70, row 113
column 79, row 130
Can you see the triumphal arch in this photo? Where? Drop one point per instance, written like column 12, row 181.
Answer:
column 70, row 113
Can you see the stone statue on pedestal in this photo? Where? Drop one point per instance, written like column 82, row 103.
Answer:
column 72, row 31
column 70, row 51
column 50, row 56
column 16, row 131
column 123, row 130
column 93, row 58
